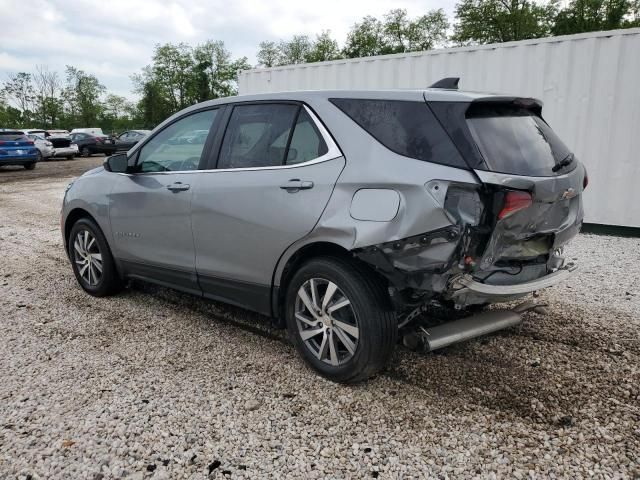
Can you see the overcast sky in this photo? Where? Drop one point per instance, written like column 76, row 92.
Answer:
column 115, row 38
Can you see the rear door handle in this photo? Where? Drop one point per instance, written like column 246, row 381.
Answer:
column 295, row 184
column 178, row 187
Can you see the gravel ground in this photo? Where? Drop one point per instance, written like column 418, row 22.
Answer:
column 154, row 383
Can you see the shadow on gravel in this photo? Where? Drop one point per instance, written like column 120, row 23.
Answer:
column 531, row 371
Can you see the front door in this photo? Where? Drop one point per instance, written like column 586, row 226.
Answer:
column 150, row 210
column 274, row 177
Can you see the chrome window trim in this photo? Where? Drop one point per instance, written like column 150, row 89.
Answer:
column 333, row 152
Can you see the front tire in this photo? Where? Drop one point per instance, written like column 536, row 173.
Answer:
column 340, row 319
column 91, row 259
column 29, row 166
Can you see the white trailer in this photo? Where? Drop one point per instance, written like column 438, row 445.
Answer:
column 589, row 83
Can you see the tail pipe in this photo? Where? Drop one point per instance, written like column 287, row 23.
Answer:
column 466, row 328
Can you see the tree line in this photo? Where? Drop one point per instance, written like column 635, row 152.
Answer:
column 180, row 75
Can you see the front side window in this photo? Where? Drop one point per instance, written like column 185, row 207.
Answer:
column 257, row 135
column 179, row 146
column 407, row 128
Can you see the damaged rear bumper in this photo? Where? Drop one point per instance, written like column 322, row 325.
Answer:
column 464, row 288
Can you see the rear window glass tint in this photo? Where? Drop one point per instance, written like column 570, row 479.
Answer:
column 257, row 135
column 516, row 141
column 407, row 128
column 306, row 141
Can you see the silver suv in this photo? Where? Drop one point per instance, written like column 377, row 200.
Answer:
column 344, row 215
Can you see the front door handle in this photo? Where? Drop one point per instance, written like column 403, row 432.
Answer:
column 178, row 187
column 295, row 184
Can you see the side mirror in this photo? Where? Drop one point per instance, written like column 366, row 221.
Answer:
column 117, row 163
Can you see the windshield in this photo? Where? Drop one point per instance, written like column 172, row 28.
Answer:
column 517, row 141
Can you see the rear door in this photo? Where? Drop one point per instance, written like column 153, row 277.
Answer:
column 150, row 210
column 276, row 170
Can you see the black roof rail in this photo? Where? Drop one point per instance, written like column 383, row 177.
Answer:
column 449, row 82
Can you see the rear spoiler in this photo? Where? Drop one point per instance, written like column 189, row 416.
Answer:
column 529, row 103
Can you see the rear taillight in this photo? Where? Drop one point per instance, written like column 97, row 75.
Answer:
column 513, row 202
column 30, row 143
column 98, row 139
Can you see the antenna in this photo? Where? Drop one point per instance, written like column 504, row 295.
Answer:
column 449, row 82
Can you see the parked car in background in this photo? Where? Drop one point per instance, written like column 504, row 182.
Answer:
column 17, row 149
column 60, row 141
column 126, row 140
column 89, row 144
column 91, row 131
column 44, row 146
column 343, row 214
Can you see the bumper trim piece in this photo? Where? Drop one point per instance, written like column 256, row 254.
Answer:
column 469, row 284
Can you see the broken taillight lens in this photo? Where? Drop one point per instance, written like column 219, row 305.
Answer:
column 513, row 202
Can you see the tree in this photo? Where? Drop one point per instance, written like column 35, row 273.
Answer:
column 172, row 68
column 220, row 71
column 18, row 92
column 323, row 49
column 82, row 96
column 49, row 105
column 366, row 39
column 489, row 21
column 295, row 51
column 593, row 15
column 180, row 75
column 269, row 54
column 403, row 34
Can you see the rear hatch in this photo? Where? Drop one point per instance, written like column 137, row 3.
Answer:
column 16, row 144
column 532, row 185
column 60, row 142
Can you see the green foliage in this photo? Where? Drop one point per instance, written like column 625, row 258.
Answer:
column 366, row 39
column 594, row 15
column 18, row 90
column 82, row 97
column 300, row 49
column 181, row 75
column 323, row 49
column 492, row 21
column 397, row 33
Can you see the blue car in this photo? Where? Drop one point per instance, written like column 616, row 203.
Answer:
column 17, row 149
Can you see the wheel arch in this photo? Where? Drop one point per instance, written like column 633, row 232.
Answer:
column 288, row 266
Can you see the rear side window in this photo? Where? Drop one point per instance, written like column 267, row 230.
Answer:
column 257, row 135
column 516, row 141
column 306, row 141
column 407, row 128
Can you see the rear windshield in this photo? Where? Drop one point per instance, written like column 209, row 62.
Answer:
column 12, row 136
column 517, row 141
column 404, row 127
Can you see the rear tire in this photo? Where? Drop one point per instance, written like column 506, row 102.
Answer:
column 358, row 319
column 70, row 157
column 85, row 152
column 92, row 261
column 29, row 166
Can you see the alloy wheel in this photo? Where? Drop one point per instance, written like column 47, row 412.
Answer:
column 87, row 257
column 326, row 321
